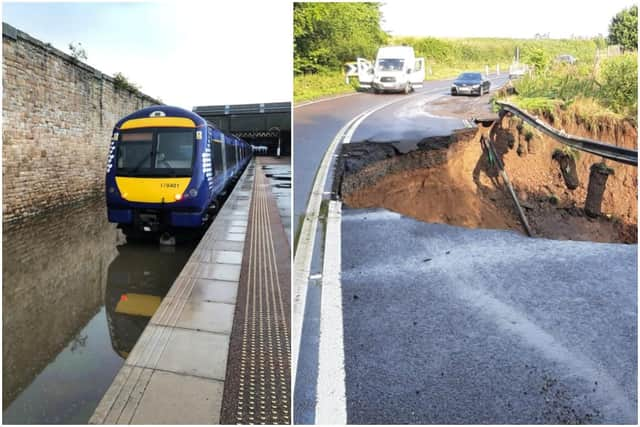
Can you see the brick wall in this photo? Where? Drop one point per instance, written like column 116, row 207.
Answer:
column 57, row 118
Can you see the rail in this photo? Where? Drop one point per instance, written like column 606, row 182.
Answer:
column 608, row 151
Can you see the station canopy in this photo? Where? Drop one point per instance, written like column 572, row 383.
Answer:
column 250, row 121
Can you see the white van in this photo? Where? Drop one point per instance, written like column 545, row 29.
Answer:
column 396, row 69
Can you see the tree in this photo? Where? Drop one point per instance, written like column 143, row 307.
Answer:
column 623, row 29
column 328, row 34
column 619, row 83
column 537, row 57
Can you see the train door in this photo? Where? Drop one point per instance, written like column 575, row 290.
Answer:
column 217, row 159
column 223, row 154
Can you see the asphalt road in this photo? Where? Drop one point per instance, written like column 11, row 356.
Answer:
column 502, row 329
column 449, row 325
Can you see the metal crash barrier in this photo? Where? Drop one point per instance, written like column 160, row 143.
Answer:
column 608, row 151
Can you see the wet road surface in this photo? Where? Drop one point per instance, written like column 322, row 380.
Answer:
column 76, row 297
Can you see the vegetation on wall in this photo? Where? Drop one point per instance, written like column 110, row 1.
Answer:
column 77, row 51
column 121, row 82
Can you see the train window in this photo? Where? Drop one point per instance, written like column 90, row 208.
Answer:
column 174, row 150
column 134, row 150
column 216, row 152
column 229, row 154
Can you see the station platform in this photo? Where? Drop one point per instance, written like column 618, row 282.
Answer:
column 217, row 349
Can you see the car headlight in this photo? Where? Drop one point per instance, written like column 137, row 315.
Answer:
column 476, row 86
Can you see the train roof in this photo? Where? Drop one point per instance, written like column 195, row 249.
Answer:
column 170, row 111
column 167, row 110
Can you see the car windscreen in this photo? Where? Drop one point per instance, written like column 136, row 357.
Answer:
column 470, row 77
column 157, row 152
column 387, row 64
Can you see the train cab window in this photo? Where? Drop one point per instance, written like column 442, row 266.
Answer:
column 135, row 150
column 158, row 152
column 174, row 150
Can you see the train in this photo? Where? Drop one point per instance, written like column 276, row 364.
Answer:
column 168, row 169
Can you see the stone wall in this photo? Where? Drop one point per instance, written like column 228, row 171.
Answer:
column 58, row 115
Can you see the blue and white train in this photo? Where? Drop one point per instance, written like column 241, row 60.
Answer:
column 168, row 168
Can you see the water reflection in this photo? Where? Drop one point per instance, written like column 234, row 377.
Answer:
column 138, row 279
column 73, row 292
column 53, row 281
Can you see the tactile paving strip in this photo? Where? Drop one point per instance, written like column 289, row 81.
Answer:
column 257, row 384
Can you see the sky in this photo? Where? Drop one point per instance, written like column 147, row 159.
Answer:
column 193, row 52
column 500, row 18
column 187, row 53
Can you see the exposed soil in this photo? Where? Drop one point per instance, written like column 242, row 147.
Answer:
column 449, row 180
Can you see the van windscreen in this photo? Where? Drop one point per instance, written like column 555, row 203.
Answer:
column 388, row 64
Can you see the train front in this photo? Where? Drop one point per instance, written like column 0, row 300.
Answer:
column 154, row 180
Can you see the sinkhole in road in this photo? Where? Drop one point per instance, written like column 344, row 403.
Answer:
column 449, row 179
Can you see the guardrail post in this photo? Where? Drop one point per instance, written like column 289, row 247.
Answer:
column 597, row 183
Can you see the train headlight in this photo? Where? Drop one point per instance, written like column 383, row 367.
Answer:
column 193, row 193
column 178, row 196
column 112, row 190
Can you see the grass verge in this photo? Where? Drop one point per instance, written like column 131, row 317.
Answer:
column 312, row 86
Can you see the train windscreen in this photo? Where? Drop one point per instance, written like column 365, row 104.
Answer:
column 159, row 152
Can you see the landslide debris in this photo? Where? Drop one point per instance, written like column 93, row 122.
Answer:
column 450, row 179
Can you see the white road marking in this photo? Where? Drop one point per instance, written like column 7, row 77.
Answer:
column 331, row 407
